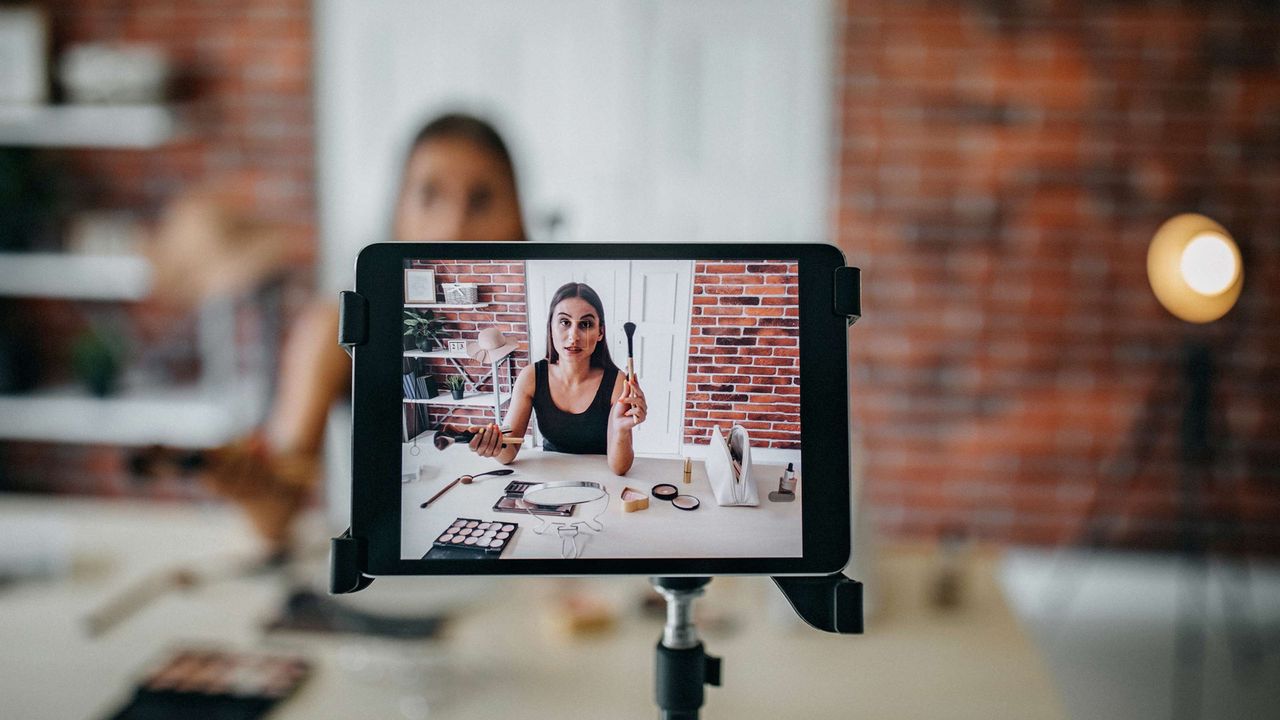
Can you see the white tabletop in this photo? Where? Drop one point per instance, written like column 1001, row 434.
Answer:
column 504, row 655
column 770, row 529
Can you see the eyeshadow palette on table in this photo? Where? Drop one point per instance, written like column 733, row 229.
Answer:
column 473, row 539
column 215, row 685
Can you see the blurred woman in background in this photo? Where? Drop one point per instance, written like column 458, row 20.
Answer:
column 458, row 183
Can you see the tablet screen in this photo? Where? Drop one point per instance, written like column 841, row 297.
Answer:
column 697, row 456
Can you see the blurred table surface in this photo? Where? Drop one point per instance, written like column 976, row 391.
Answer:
column 504, row 654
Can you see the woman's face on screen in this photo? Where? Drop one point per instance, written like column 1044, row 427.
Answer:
column 455, row 189
column 575, row 328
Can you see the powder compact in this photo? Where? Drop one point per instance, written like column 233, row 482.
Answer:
column 633, row 500
column 490, row 537
column 667, row 491
column 686, row 502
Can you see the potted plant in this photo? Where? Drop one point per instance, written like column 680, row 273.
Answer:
column 425, row 328
column 456, row 386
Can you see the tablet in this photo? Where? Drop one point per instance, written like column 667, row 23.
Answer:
column 667, row 409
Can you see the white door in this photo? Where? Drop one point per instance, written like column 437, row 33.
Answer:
column 656, row 296
column 630, row 121
column 660, row 300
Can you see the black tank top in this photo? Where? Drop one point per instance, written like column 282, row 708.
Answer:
column 584, row 433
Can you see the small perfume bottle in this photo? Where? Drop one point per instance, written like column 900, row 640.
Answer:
column 786, row 491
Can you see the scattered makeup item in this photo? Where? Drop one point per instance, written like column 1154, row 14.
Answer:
column 686, row 502
column 516, row 488
column 450, row 434
column 786, row 491
column 465, row 480
column 222, row 684
column 688, row 471
column 633, row 500
column 137, row 596
column 667, row 491
column 512, row 501
column 507, row 504
column 489, row 536
column 630, row 329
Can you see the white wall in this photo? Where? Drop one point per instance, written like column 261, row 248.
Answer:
column 637, row 121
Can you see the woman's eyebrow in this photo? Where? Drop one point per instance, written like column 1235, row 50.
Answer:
column 584, row 317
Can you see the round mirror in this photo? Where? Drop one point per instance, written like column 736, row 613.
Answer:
column 551, row 494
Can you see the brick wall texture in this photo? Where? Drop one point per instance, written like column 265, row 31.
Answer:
column 1002, row 167
column 744, row 353
column 243, row 83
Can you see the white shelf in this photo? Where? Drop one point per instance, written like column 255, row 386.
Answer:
column 471, row 399
column 103, row 126
column 446, row 306
column 179, row 417
column 436, row 354
column 77, row 277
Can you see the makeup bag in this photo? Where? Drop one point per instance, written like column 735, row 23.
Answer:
column 729, row 467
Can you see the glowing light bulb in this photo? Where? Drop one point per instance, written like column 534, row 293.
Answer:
column 1208, row 265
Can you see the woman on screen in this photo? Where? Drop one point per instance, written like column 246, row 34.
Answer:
column 584, row 404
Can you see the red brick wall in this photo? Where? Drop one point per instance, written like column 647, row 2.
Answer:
column 1000, row 174
column 744, row 352
column 243, row 79
column 502, row 284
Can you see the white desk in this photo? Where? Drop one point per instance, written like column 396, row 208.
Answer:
column 499, row 659
column 770, row 529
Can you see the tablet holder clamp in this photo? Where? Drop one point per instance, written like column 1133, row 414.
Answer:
column 831, row 603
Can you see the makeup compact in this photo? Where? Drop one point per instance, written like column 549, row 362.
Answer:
column 633, row 500
column 686, row 502
column 221, row 684
column 667, row 491
column 485, row 537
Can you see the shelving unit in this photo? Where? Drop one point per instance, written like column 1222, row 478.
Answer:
column 187, row 417
column 445, row 306
column 100, row 126
column 206, row 414
column 495, row 399
column 122, row 278
column 224, row 403
column 471, row 399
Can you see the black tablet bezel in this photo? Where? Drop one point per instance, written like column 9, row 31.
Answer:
column 377, row 405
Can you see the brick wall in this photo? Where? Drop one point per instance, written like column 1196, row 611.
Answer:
column 1000, row 174
column 500, row 284
column 744, row 352
column 243, row 79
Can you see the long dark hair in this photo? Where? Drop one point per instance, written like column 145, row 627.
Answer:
column 600, row 356
column 461, row 126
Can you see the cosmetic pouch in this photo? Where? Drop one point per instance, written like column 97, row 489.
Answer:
column 730, row 485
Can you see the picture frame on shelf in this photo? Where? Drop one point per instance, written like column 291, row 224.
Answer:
column 419, row 286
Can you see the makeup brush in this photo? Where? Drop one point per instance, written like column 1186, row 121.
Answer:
column 465, row 480
column 630, row 329
column 450, row 434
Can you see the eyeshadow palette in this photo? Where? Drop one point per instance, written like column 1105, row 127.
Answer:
column 516, row 488
column 215, row 684
column 488, row 536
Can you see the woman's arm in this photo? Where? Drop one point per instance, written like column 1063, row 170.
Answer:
column 628, row 410
column 488, row 440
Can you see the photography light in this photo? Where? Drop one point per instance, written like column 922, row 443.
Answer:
column 1195, row 268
